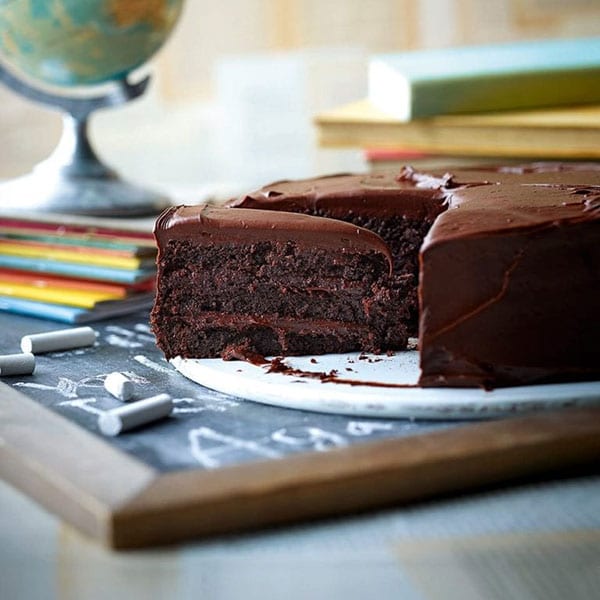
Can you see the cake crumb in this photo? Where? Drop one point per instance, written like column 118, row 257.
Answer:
column 365, row 356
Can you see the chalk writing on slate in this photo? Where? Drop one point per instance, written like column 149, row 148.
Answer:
column 206, row 429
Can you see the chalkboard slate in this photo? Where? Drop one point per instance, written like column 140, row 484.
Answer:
column 207, row 429
column 221, row 464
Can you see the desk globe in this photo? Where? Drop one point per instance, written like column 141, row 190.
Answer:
column 58, row 52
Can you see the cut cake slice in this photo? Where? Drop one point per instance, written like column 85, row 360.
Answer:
column 234, row 282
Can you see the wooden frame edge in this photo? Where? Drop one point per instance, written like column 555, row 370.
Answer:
column 373, row 474
column 36, row 450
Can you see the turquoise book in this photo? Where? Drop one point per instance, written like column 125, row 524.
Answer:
column 474, row 79
column 72, row 314
column 74, row 270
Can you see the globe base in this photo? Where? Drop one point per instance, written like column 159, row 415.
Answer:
column 43, row 191
column 73, row 180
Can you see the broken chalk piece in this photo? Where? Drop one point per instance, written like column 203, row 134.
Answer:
column 53, row 341
column 17, row 364
column 142, row 412
column 120, row 386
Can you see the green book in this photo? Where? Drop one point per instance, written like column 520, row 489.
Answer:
column 475, row 79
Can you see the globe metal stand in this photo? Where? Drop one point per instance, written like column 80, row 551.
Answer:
column 72, row 179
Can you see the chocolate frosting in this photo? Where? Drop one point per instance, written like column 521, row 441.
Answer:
column 531, row 196
column 500, row 208
column 406, row 192
column 420, row 195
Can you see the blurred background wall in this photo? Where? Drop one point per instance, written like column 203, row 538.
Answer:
column 237, row 84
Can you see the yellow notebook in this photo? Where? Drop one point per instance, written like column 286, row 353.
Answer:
column 56, row 295
column 87, row 258
column 558, row 133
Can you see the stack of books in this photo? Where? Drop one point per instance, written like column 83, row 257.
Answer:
column 75, row 270
column 526, row 101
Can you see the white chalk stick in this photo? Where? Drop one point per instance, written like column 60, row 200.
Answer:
column 17, row 364
column 117, row 420
column 119, row 386
column 53, row 341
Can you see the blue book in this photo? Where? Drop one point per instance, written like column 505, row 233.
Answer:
column 70, row 314
column 475, row 79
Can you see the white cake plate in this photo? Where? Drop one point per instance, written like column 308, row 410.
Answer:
column 251, row 382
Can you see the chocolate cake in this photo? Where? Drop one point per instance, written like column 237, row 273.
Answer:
column 501, row 267
column 238, row 282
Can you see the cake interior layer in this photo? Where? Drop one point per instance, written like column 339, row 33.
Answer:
column 272, row 283
column 404, row 236
column 276, row 279
column 213, row 335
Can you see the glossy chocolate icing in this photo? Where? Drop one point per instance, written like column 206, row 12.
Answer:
column 416, row 195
